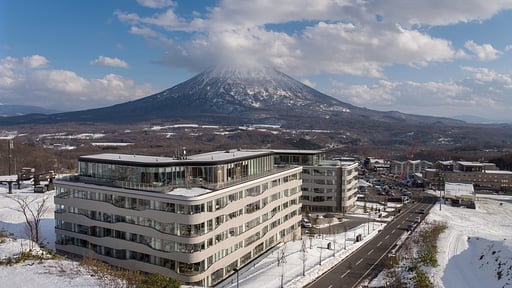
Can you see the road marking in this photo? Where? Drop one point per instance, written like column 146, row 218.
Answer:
column 388, row 235
column 360, row 260
column 370, row 252
column 330, row 286
column 379, row 244
column 344, row 274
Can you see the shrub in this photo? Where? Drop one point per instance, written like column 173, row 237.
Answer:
column 421, row 280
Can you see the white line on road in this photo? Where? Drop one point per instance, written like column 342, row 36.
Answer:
column 370, row 252
column 344, row 274
column 379, row 244
column 360, row 260
column 330, row 286
column 388, row 235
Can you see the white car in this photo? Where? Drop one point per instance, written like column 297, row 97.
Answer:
column 306, row 224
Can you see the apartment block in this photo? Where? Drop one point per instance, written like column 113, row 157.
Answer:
column 327, row 185
column 193, row 218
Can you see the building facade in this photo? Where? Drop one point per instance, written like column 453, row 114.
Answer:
column 327, row 185
column 484, row 176
column 193, row 219
column 408, row 167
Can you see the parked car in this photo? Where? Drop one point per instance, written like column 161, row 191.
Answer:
column 305, row 223
column 421, row 211
column 418, row 219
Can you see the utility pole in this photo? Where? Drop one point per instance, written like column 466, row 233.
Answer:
column 10, row 146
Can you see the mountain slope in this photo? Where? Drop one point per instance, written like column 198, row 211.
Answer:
column 13, row 110
column 235, row 96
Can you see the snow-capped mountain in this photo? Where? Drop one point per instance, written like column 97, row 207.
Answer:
column 227, row 95
column 230, row 90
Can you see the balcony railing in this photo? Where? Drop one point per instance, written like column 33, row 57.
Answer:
column 165, row 188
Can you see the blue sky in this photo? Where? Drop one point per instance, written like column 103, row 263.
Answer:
column 437, row 57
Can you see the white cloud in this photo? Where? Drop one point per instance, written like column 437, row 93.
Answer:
column 144, row 31
column 107, row 61
column 483, row 93
column 342, row 37
column 483, row 52
column 308, row 82
column 435, row 12
column 8, row 77
column 156, row 3
column 508, row 47
column 35, row 61
column 63, row 89
column 485, row 75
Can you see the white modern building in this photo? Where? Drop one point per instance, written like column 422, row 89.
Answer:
column 327, row 185
column 408, row 167
column 195, row 219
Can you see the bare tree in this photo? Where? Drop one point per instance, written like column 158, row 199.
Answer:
column 33, row 211
column 304, row 256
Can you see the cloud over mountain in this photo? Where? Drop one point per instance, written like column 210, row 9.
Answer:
column 356, row 38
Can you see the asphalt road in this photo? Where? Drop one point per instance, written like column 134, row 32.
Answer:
column 368, row 260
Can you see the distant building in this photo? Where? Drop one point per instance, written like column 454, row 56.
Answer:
column 458, row 190
column 376, row 164
column 411, row 166
column 484, row 176
column 327, row 185
column 460, row 194
column 194, row 219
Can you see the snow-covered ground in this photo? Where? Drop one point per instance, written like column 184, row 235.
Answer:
column 477, row 246
column 473, row 250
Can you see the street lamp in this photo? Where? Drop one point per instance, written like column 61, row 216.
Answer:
column 440, row 199
column 369, row 213
column 236, row 270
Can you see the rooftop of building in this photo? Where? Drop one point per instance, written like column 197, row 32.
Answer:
column 296, row 152
column 476, row 164
column 205, row 158
column 336, row 163
column 497, row 172
column 459, row 188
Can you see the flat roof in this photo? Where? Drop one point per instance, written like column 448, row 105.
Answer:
column 498, row 172
column 292, row 151
column 468, row 163
column 459, row 188
column 211, row 158
column 228, row 155
column 189, row 192
column 142, row 159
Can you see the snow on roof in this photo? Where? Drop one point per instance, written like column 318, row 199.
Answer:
column 497, row 172
column 6, row 178
column 128, row 158
column 205, row 157
column 468, row 163
column 458, row 188
column 189, row 192
column 227, row 155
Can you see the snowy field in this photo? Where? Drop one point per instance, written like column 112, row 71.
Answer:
column 474, row 251
column 477, row 246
